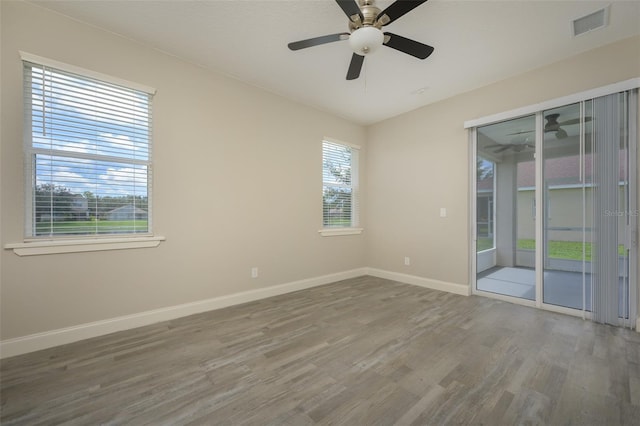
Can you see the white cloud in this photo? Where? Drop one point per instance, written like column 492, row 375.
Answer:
column 123, row 181
column 122, row 146
column 64, row 176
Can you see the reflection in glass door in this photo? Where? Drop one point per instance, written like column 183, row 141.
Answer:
column 505, row 208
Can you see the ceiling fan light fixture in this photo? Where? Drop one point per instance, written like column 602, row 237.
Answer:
column 366, row 40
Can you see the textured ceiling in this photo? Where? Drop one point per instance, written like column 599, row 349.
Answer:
column 476, row 43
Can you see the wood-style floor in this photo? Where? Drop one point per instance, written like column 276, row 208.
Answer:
column 364, row 351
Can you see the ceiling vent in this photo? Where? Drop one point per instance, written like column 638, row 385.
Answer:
column 590, row 22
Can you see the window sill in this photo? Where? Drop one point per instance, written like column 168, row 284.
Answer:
column 334, row 232
column 35, row 248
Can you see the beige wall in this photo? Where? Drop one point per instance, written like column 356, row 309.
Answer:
column 237, row 183
column 419, row 162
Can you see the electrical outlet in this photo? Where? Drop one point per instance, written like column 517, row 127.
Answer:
column 254, row 272
column 443, row 212
column 407, row 261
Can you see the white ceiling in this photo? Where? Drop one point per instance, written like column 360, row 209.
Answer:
column 476, row 42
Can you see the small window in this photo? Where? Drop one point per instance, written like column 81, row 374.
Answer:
column 88, row 148
column 339, row 185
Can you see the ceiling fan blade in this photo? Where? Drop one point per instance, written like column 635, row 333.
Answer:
column 504, row 148
column 310, row 42
column 351, row 9
column 574, row 121
column 521, row 132
column 397, row 10
column 408, row 46
column 355, row 66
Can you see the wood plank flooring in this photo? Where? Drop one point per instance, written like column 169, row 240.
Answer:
column 364, row 351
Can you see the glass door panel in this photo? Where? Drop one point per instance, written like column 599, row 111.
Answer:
column 566, row 204
column 505, row 208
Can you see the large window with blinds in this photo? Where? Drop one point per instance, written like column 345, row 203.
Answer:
column 88, row 155
column 339, row 185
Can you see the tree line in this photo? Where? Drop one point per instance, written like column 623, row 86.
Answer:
column 59, row 203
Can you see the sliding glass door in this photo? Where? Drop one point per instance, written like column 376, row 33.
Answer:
column 555, row 208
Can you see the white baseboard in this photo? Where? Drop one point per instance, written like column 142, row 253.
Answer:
column 461, row 289
column 48, row 339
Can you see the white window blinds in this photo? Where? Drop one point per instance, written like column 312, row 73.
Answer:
column 339, row 185
column 88, row 147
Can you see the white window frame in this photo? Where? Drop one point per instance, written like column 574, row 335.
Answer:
column 35, row 245
column 353, row 229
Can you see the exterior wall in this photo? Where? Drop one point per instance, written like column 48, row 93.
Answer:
column 526, row 215
column 566, row 212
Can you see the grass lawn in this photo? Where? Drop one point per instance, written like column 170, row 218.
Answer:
column 571, row 250
column 88, row 227
column 484, row 244
column 338, row 223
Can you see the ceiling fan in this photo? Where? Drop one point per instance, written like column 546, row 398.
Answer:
column 365, row 32
column 552, row 125
column 514, row 146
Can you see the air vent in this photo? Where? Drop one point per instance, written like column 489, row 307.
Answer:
column 590, row 22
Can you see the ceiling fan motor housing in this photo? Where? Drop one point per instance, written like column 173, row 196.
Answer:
column 369, row 14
